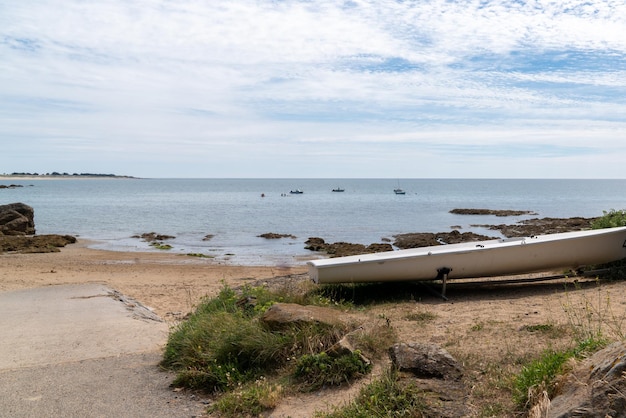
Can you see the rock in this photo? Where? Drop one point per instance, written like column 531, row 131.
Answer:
column 543, row 226
column 273, row 235
column 315, row 244
column 492, row 212
column 281, row 315
column 34, row 244
column 425, row 361
column 153, row 236
column 595, row 388
column 426, row 239
column 436, row 374
column 340, row 249
column 17, row 219
column 346, row 344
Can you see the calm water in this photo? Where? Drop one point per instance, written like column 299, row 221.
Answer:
column 233, row 211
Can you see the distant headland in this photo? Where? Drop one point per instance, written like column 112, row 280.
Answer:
column 56, row 175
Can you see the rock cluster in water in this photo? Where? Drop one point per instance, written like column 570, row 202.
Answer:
column 17, row 232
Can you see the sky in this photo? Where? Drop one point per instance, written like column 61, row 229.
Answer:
column 320, row 89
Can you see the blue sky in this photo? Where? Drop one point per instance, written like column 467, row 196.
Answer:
column 363, row 88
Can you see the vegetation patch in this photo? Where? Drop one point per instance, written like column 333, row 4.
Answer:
column 385, row 397
column 610, row 219
column 317, row 370
column 161, row 246
column 540, row 374
column 199, row 255
column 421, row 316
column 224, row 348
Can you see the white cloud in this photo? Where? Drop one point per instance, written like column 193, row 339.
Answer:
column 225, row 81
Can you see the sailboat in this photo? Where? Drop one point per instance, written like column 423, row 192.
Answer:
column 398, row 190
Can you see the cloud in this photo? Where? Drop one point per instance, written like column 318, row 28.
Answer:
column 223, row 82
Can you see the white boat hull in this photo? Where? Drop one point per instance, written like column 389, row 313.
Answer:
column 477, row 259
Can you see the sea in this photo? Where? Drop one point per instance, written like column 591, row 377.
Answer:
column 223, row 218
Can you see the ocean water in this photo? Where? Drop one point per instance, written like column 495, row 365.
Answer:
column 110, row 211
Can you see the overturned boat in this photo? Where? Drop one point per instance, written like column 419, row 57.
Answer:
column 496, row 257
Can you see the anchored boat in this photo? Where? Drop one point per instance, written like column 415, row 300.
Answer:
column 497, row 257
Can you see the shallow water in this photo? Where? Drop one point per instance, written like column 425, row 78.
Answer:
column 234, row 212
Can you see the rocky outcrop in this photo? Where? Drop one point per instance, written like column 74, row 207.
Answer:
column 426, row 239
column 340, row 249
column 595, row 388
column 17, row 219
column 34, row 244
column 495, row 212
column 153, row 236
column 543, row 226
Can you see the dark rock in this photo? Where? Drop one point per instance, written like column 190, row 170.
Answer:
column 281, row 315
column 10, row 186
column 427, row 239
column 17, row 219
column 543, row 226
column 153, row 236
column 315, row 244
column 595, row 388
column 34, row 244
column 378, row 248
column 492, row 212
column 425, row 361
column 340, row 249
column 273, row 235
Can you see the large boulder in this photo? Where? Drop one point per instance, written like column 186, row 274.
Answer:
column 17, row 219
column 595, row 388
column 283, row 315
column 425, row 361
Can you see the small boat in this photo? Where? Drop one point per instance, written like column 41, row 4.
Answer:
column 399, row 191
column 339, row 190
column 297, row 191
column 496, row 257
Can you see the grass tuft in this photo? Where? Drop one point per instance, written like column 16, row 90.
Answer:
column 385, row 397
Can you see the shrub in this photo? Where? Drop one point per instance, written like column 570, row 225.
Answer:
column 222, row 344
column 317, row 370
column 610, row 219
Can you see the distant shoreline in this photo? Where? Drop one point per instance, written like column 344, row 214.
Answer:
column 63, row 177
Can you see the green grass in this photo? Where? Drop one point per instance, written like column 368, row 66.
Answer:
column 249, row 400
column 385, row 397
column 317, row 370
column 223, row 345
column 540, row 374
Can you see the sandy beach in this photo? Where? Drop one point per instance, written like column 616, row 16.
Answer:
column 170, row 284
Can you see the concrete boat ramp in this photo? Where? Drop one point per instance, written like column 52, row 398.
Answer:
column 84, row 351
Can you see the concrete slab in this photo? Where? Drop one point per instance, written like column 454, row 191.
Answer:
column 84, row 351
column 55, row 324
